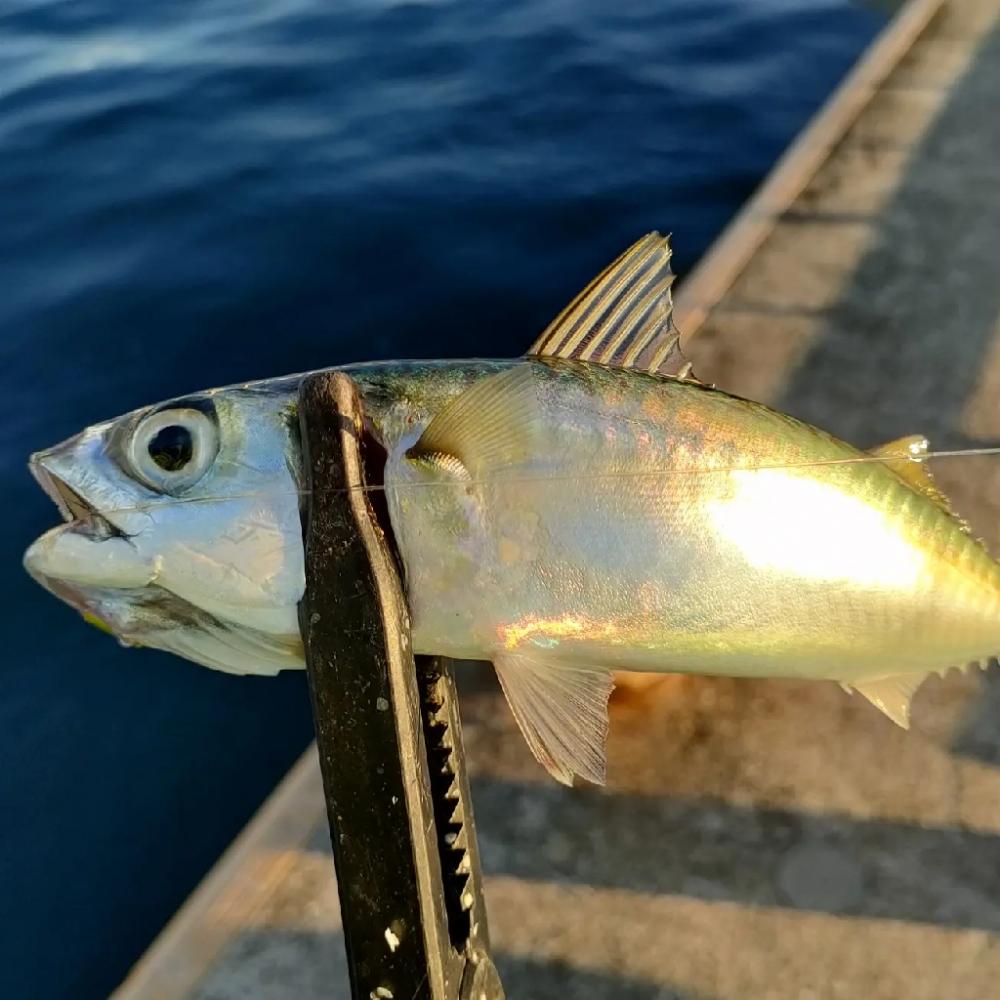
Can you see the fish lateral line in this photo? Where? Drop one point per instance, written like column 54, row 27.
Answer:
column 576, row 477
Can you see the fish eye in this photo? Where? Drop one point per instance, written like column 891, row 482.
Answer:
column 171, row 450
column 172, row 447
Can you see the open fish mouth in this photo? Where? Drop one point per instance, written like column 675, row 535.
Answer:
column 85, row 554
column 72, row 507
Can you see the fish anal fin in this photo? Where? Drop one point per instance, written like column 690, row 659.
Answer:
column 624, row 317
column 562, row 711
column 892, row 695
column 494, row 423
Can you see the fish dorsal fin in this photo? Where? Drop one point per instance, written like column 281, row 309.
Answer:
column 562, row 711
column 492, row 425
column 892, row 695
column 624, row 317
column 910, row 467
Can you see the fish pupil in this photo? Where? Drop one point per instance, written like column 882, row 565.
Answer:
column 171, row 448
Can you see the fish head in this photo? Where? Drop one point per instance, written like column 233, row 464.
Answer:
column 182, row 528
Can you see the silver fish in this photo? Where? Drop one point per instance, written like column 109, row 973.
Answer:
column 587, row 509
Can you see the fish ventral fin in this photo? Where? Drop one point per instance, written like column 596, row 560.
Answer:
column 911, row 468
column 624, row 317
column 491, row 425
column 562, row 711
column 892, row 695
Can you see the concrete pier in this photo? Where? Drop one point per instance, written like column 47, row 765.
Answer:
column 765, row 840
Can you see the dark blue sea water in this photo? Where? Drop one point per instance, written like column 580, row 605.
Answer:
column 195, row 193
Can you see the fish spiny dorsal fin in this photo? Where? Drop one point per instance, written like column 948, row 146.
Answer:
column 624, row 317
column 891, row 695
column 910, row 467
column 492, row 425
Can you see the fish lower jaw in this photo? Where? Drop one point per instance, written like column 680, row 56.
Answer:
column 79, row 553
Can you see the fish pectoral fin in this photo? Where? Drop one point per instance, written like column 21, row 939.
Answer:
column 892, row 695
column 562, row 711
column 494, row 424
column 624, row 317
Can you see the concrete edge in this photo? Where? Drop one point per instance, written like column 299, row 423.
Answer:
column 715, row 273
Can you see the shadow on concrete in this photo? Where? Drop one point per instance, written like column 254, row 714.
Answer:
column 978, row 732
column 310, row 965
column 759, row 857
column 905, row 342
column 537, row 979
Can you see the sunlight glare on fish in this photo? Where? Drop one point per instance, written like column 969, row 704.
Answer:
column 771, row 517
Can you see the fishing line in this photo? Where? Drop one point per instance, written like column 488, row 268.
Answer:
column 576, row 477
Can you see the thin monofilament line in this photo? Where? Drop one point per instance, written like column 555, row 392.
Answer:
column 574, row 477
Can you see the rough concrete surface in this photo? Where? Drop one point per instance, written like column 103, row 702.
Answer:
column 758, row 839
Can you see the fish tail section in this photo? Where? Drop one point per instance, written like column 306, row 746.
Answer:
column 894, row 695
column 906, row 457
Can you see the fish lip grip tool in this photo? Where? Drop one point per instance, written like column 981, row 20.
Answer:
column 389, row 737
